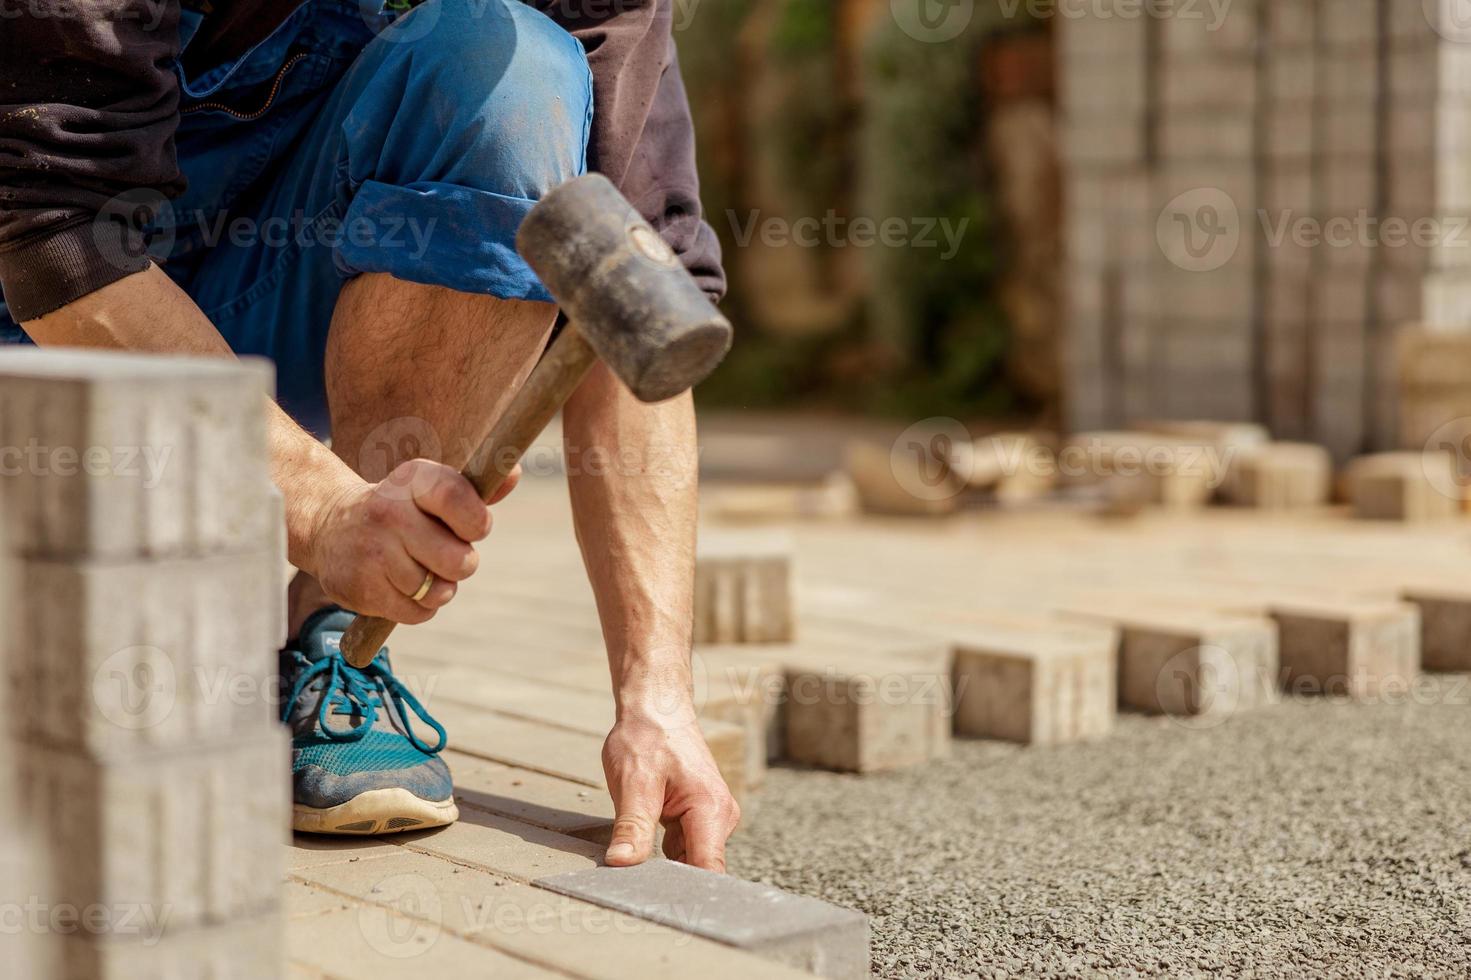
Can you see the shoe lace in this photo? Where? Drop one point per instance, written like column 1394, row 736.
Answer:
column 362, row 692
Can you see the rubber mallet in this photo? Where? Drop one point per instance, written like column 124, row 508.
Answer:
column 628, row 301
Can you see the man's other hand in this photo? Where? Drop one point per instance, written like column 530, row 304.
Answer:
column 660, row 771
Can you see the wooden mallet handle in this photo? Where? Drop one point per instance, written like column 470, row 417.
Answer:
column 552, row 382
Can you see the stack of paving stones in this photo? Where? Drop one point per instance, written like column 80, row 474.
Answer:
column 1306, row 200
column 141, row 659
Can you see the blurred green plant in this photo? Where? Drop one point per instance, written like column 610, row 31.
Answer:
column 779, row 115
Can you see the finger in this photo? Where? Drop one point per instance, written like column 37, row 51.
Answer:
column 638, row 806
column 707, row 826
column 445, row 494
column 390, row 603
column 406, row 576
column 674, row 847
column 403, row 573
column 513, row 480
column 439, row 551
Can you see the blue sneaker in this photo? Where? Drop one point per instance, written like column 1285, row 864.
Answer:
column 357, row 765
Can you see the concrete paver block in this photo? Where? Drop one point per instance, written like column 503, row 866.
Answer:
column 190, row 838
column 114, row 659
column 791, row 929
column 858, row 711
column 1281, row 476
column 370, row 942
column 1193, row 664
column 916, row 493
column 122, row 456
column 1014, row 466
column 553, row 930
column 1360, row 651
column 532, row 797
column 743, row 590
column 1405, row 487
column 1445, row 627
column 1037, row 692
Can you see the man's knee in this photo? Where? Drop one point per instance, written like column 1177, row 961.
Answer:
column 507, row 91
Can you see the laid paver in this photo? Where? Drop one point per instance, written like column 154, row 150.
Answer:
column 371, row 942
column 795, row 930
column 505, row 847
column 1405, row 486
column 1280, row 476
column 743, row 589
column 856, row 707
column 1445, row 624
column 1361, row 651
column 1035, row 690
column 1178, row 662
column 530, row 797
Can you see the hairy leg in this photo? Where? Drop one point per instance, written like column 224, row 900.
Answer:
column 417, row 371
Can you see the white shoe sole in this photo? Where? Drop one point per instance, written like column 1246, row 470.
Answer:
column 378, row 811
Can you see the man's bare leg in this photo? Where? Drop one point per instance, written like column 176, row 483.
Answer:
column 419, row 371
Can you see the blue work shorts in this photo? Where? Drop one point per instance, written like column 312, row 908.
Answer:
column 354, row 139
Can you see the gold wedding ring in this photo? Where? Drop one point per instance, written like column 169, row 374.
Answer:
column 424, row 589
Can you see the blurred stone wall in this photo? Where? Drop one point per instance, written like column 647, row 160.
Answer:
column 1262, row 198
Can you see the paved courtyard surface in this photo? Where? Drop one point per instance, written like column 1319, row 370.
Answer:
column 1302, row 840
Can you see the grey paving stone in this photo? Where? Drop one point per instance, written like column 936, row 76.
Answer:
column 123, row 456
column 113, row 659
column 790, row 929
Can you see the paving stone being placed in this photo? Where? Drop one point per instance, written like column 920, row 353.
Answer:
column 129, row 456
column 791, row 929
column 1176, row 662
column 1364, row 651
column 1036, row 690
column 1407, row 487
column 113, row 659
column 743, row 590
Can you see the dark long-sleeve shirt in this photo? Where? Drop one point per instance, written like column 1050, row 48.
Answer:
column 89, row 103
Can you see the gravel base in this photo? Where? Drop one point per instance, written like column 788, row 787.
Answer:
column 1312, row 838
